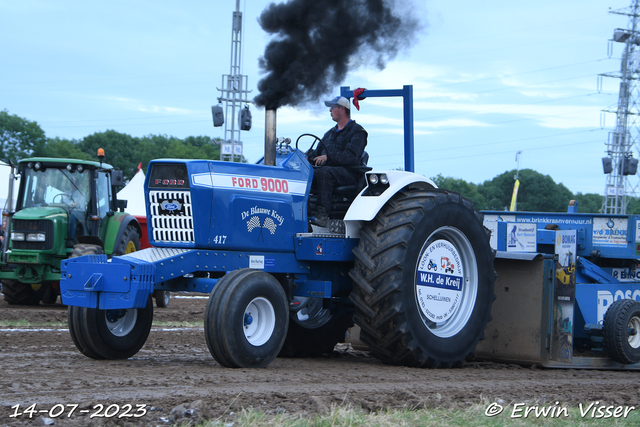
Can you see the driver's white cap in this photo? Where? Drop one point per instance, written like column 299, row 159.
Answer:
column 338, row 100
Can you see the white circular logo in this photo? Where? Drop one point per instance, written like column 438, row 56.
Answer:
column 439, row 279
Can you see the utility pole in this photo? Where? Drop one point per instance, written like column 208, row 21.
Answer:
column 234, row 93
column 619, row 163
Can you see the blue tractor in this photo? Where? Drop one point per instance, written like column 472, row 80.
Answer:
column 279, row 286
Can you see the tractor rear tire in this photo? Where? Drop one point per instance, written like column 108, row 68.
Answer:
column 129, row 242
column 246, row 319
column 19, row 293
column 413, row 315
column 621, row 329
column 85, row 249
column 316, row 336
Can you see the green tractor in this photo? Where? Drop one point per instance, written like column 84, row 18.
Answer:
column 64, row 208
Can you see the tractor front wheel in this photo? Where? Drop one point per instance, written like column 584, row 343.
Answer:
column 19, row 293
column 110, row 334
column 246, row 319
column 162, row 298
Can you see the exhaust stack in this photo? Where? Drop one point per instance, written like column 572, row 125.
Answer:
column 270, row 137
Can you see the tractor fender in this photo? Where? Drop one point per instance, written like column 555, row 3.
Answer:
column 365, row 208
column 117, row 224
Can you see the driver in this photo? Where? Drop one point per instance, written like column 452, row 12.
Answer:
column 342, row 146
column 77, row 192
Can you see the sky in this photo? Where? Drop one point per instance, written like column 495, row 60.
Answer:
column 490, row 80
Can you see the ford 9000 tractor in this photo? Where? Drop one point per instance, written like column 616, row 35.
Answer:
column 278, row 286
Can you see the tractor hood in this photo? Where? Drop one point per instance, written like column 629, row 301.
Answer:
column 55, row 213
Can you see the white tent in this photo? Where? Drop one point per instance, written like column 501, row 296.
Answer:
column 133, row 192
column 5, row 171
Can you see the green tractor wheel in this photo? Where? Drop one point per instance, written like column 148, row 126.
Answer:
column 19, row 293
column 129, row 242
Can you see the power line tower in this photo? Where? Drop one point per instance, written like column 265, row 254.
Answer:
column 619, row 163
column 234, row 93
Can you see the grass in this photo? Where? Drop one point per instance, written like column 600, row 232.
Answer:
column 178, row 324
column 23, row 323
column 473, row 416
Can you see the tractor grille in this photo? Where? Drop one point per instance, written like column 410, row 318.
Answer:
column 39, row 226
column 171, row 216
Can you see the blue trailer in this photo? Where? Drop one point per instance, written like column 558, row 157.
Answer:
column 567, row 291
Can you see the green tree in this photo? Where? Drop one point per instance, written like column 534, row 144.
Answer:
column 588, row 203
column 119, row 150
column 537, row 193
column 64, row 148
column 19, row 138
column 633, row 206
column 466, row 189
column 154, row 147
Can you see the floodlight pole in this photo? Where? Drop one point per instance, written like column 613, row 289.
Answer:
column 621, row 141
column 234, row 92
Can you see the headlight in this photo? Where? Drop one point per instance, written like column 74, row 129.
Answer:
column 373, row 179
column 36, row 237
column 384, row 179
column 18, row 237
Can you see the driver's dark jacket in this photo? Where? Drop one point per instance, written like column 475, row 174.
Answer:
column 343, row 147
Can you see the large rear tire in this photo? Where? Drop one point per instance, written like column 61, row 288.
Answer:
column 409, row 312
column 621, row 329
column 318, row 333
column 129, row 242
column 246, row 319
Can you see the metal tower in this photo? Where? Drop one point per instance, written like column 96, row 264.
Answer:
column 619, row 163
column 234, row 93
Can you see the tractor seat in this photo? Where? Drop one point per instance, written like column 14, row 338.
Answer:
column 360, row 170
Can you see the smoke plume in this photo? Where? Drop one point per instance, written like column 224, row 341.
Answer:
column 316, row 42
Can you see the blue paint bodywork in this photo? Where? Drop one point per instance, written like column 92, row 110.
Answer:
column 236, row 215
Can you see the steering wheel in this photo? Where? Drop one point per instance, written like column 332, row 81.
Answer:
column 62, row 196
column 314, row 141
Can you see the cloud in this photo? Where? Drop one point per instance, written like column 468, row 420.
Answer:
column 141, row 106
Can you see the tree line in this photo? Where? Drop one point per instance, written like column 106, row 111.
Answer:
column 537, row 193
column 21, row 138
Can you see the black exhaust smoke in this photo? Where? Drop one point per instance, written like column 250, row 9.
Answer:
column 316, row 42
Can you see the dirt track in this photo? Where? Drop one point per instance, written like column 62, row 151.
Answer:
column 175, row 377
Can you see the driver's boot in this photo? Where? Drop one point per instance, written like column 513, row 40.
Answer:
column 322, row 218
